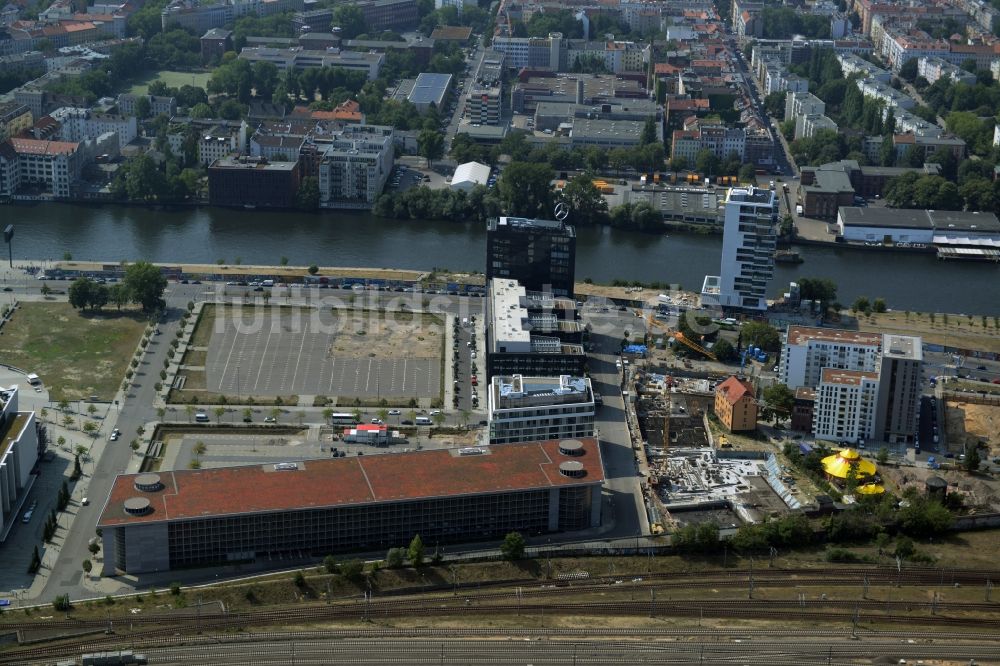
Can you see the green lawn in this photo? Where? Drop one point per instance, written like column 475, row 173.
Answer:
column 76, row 355
column 172, row 79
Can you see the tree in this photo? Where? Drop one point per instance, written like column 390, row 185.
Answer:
column 760, row 334
column 861, row 304
column 416, row 551
column 307, row 197
column 778, row 400
column 775, row 104
column 395, row 557
column 330, row 564
column 313, row 269
column 972, row 459
column 438, row 418
column 145, row 284
column 88, row 566
column 430, row 145
column 512, row 547
column 883, row 456
column 219, row 411
column 275, row 413
column 142, row 107
column 525, row 190
column 878, row 305
column 586, row 204
column 724, row 351
column 36, row 561
column 818, row 289
column 350, row 20
column 908, row 70
column 648, row 132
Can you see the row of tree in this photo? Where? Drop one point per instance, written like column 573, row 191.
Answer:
column 143, row 284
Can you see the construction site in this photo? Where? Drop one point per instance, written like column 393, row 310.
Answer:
column 690, row 477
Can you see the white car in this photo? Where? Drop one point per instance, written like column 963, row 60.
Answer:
column 394, row 412
column 270, row 419
column 113, row 437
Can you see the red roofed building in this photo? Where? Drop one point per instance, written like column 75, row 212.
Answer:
column 35, row 162
column 187, row 518
column 735, row 405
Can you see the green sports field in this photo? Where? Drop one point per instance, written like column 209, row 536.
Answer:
column 172, row 79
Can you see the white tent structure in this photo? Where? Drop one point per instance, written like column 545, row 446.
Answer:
column 469, row 175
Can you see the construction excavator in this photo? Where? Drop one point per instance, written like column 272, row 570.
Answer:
column 679, row 336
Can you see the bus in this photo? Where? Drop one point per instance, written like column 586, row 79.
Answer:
column 343, row 418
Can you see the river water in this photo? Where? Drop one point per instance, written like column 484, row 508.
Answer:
column 115, row 233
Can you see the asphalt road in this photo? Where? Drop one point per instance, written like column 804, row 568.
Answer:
column 780, row 157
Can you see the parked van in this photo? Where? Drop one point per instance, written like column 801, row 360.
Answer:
column 423, row 420
column 267, row 283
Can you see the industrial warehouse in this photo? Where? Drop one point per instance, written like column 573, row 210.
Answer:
column 169, row 520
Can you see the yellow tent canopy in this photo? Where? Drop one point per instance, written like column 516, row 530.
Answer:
column 839, row 464
column 870, row 489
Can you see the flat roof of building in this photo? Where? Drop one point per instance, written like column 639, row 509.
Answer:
column 799, row 335
column 530, row 224
column 338, row 482
column 14, row 428
column 262, row 165
column 520, row 391
column 907, row 218
column 902, row 346
column 456, row 33
column 430, row 88
column 846, row 377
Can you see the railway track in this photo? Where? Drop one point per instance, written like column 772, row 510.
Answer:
column 538, row 600
column 762, row 579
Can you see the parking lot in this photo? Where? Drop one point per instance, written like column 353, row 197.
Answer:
column 276, row 358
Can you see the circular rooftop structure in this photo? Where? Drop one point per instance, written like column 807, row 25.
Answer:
column 148, row 483
column 137, row 506
column 571, row 447
column 572, row 469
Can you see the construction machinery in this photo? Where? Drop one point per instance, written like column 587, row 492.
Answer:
column 680, row 337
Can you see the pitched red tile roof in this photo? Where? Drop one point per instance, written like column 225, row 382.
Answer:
column 734, row 389
column 329, row 482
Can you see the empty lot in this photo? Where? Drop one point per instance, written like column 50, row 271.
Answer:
column 347, row 353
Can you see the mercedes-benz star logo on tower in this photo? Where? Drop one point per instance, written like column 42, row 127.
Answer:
column 561, row 211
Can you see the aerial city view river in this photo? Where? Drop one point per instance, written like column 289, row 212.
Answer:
column 204, row 235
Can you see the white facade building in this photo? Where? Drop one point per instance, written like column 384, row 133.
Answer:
column 846, row 402
column 355, row 165
column 748, row 243
column 78, row 124
column 54, row 164
column 807, row 351
column 18, row 455
column 533, row 409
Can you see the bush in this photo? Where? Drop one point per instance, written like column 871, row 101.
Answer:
column 61, row 603
column 300, row 579
column 395, row 557
column 844, row 556
column 330, row 564
column 175, row 589
column 353, row 569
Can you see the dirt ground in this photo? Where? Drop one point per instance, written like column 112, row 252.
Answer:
column 951, row 330
column 978, row 490
column 400, row 335
column 971, row 424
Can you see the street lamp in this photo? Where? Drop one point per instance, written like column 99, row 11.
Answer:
column 8, row 235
